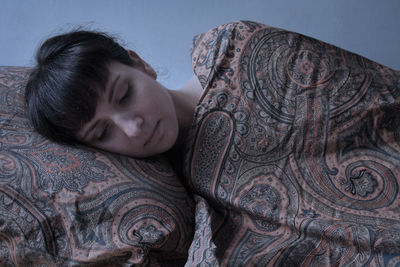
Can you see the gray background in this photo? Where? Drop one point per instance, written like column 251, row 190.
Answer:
column 161, row 31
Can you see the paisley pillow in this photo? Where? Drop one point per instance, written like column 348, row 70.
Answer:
column 62, row 205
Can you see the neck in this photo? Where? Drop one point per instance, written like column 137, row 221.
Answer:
column 185, row 101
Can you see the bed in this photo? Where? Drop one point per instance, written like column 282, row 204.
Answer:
column 293, row 160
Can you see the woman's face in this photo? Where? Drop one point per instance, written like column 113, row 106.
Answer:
column 135, row 115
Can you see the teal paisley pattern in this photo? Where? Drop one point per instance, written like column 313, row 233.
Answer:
column 294, row 151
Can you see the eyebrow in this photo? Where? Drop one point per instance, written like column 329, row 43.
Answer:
column 111, row 91
column 110, row 97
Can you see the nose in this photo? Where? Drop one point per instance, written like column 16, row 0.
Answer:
column 132, row 127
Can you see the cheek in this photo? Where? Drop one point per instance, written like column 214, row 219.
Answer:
column 119, row 144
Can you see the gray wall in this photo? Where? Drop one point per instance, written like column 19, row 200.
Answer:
column 161, row 31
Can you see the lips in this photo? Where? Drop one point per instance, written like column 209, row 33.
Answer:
column 154, row 135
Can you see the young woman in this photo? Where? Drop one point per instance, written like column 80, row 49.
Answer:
column 87, row 89
column 294, row 149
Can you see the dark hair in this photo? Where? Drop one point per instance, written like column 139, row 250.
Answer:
column 63, row 88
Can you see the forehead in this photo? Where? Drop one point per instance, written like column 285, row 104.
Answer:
column 115, row 67
column 115, row 71
column 104, row 81
column 104, row 86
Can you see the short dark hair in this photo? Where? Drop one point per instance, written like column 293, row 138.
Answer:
column 63, row 87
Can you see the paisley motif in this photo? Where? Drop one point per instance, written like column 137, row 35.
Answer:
column 310, row 173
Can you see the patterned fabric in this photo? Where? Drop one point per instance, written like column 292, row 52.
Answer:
column 71, row 206
column 295, row 152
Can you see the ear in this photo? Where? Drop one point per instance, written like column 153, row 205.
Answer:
column 142, row 65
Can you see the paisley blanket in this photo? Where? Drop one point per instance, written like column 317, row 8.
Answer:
column 294, row 155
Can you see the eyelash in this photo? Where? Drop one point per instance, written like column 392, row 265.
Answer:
column 104, row 134
column 125, row 96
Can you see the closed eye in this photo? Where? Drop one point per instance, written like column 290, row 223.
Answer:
column 125, row 95
column 104, row 134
